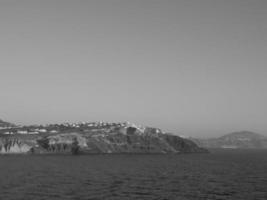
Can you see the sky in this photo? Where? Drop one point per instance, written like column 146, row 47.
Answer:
column 190, row 67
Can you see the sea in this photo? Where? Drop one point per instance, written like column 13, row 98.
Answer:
column 220, row 174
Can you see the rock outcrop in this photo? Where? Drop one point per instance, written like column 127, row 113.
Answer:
column 16, row 144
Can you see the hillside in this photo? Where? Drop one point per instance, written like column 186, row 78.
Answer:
column 93, row 138
column 4, row 124
column 242, row 139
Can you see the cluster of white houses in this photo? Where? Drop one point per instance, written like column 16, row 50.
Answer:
column 93, row 124
column 54, row 128
column 30, row 132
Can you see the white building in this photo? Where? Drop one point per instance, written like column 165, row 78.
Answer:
column 22, row 132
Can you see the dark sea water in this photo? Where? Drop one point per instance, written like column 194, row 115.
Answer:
column 222, row 174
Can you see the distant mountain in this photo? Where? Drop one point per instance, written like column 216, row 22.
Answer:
column 4, row 124
column 93, row 138
column 242, row 139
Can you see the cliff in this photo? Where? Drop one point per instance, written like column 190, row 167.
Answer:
column 123, row 138
column 16, row 144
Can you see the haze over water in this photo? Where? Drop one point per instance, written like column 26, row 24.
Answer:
column 195, row 68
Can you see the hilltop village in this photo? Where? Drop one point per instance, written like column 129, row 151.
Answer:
column 68, row 127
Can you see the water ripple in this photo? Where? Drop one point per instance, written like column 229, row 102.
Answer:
column 221, row 175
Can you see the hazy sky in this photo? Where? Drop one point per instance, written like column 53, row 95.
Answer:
column 191, row 67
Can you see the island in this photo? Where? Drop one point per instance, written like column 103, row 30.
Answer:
column 234, row 140
column 91, row 138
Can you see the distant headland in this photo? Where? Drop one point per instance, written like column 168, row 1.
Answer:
column 235, row 140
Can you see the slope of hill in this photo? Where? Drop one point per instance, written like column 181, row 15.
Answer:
column 4, row 124
column 242, row 139
column 93, row 138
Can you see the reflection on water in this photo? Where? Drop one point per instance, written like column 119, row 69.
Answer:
column 219, row 175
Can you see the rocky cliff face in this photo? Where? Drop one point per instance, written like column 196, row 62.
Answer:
column 105, row 139
column 16, row 144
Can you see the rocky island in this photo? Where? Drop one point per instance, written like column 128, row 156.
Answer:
column 235, row 140
column 91, row 138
